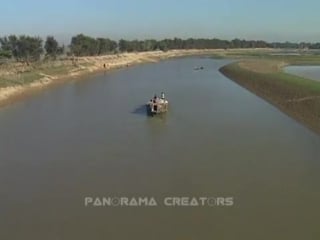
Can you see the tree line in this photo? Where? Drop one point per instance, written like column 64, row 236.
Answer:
column 28, row 48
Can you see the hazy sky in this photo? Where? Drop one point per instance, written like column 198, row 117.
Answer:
column 271, row 20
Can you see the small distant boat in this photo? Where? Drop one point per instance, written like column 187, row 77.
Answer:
column 157, row 105
column 199, row 68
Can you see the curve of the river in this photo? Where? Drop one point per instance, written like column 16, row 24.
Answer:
column 92, row 138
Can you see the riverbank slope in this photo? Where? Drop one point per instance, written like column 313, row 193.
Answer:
column 296, row 96
column 17, row 79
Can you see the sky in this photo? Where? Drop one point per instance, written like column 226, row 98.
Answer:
column 270, row 20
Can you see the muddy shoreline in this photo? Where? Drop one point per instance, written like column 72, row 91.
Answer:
column 300, row 102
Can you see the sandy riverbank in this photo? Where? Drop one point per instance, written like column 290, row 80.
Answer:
column 19, row 79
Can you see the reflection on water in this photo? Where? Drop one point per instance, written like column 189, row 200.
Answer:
column 140, row 110
column 93, row 138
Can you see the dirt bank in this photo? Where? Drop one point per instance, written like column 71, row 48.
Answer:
column 17, row 79
column 295, row 96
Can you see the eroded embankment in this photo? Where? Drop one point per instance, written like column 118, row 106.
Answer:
column 295, row 96
column 18, row 79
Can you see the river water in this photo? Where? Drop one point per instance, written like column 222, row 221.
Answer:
column 92, row 138
column 311, row 72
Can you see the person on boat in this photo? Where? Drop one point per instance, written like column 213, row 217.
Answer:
column 151, row 104
column 155, row 98
column 162, row 95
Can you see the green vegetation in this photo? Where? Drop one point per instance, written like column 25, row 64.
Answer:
column 305, row 59
column 20, row 79
column 28, row 49
column 191, row 43
column 309, row 86
column 52, row 47
column 296, row 96
column 301, row 86
column 106, row 46
column 293, row 57
column 22, row 48
column 82, row 45
column 56, row 71
column 24, row 59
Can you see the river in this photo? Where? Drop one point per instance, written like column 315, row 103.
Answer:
column 92, row 138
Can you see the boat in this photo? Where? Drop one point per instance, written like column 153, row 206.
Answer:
column 198, row 68
column 157, row 105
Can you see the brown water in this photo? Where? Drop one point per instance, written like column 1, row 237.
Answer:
column 92, row 138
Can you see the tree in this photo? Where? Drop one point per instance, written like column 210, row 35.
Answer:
column 315, row 46
column 82, row 45
column 22, row 48
column 28, row 48
column 149, row 45
column 61, row 50
column 5, row 54
column 105, row 45
column 163, row 45
column 123, row 45
column 51, row 46
column 9, row 45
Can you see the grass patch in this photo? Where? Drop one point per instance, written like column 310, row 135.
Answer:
column 299, row 82
column 304, row 58
column 56, row 71
column 19, row 79
column 276, row 79
column 307, row 59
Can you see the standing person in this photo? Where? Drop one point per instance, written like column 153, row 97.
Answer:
column 162, row 95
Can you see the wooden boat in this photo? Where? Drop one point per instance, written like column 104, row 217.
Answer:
column 157, row 105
